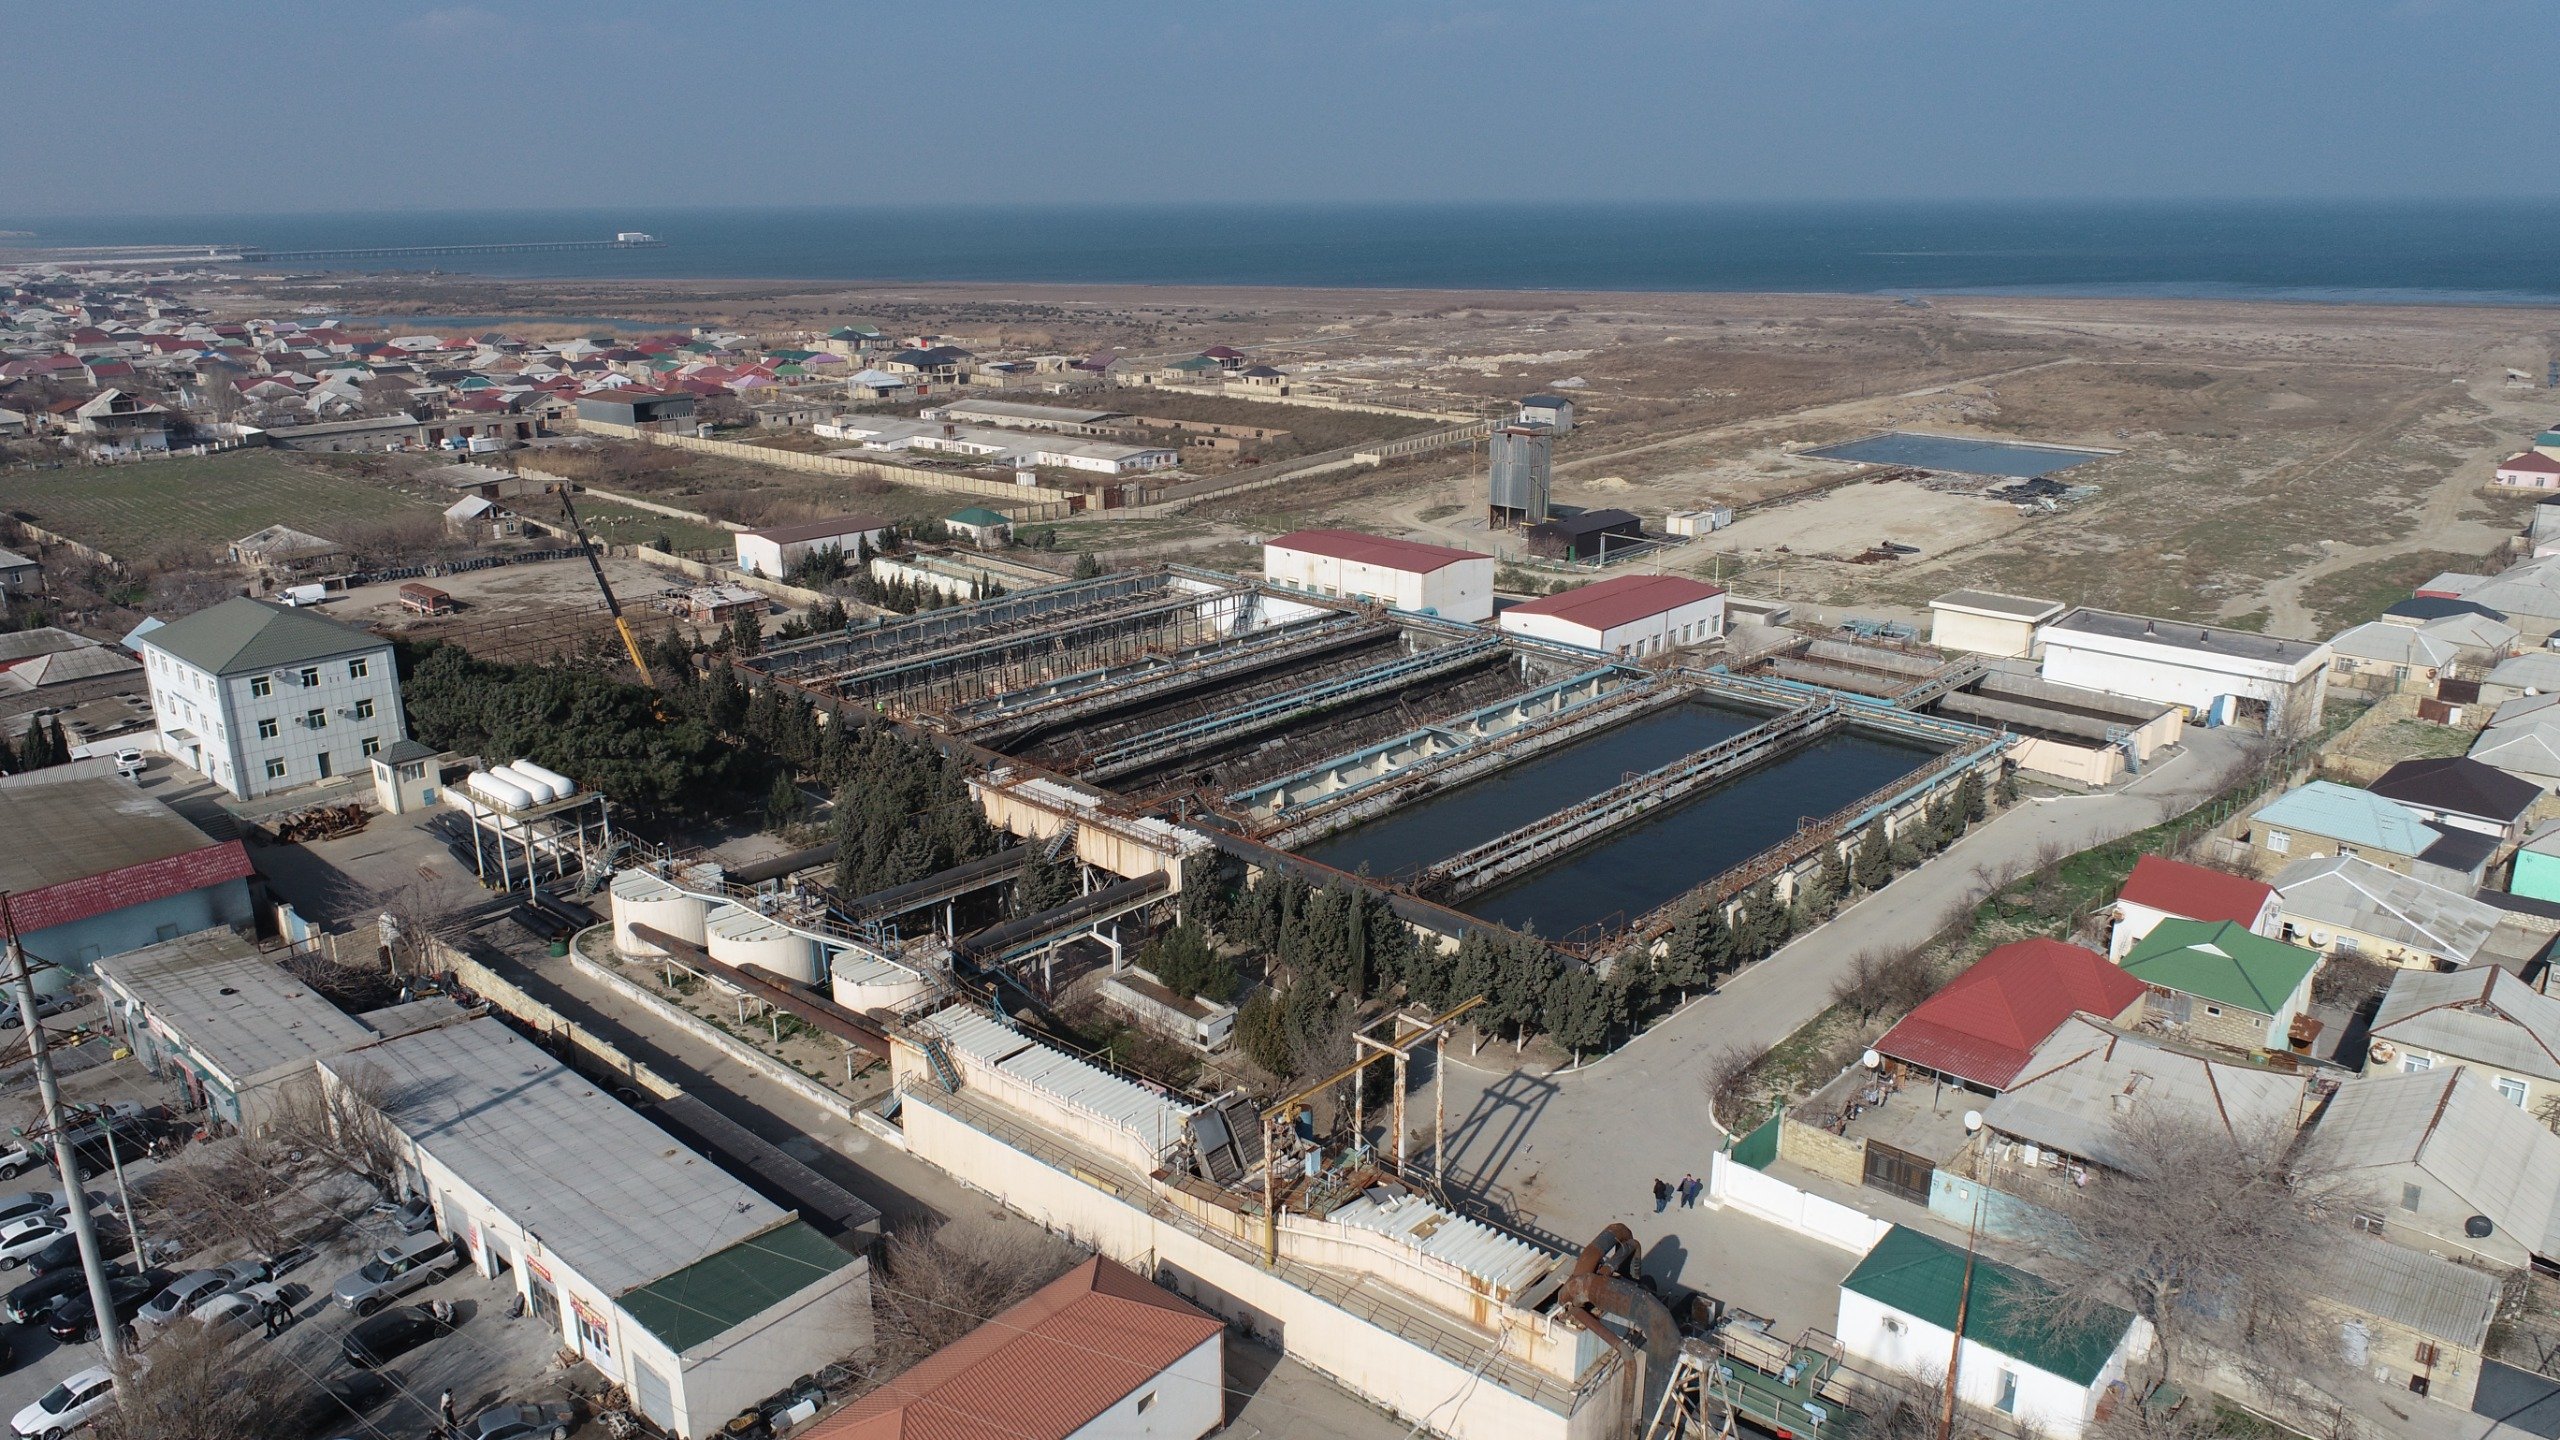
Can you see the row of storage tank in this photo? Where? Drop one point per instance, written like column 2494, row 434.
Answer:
column 734, row 934
column 519, row 785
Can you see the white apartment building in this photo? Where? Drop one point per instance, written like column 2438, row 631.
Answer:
column 259, row 698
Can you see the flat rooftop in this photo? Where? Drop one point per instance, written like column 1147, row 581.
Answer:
column 1998, row 605
column 235, row 1007
column 2186, row 635
column 615, row 1197
column 90, row 820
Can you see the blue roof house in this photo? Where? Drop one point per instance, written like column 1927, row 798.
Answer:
column 2325, row 818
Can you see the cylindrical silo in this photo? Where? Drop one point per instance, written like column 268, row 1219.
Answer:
column 640, row 898
column 739, row 936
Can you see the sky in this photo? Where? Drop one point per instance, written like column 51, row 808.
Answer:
column 147, row 107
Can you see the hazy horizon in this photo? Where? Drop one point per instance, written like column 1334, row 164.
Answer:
column 304, row 108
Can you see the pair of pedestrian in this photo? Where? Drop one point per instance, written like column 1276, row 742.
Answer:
column 277, row 1313
column 1689, row 1188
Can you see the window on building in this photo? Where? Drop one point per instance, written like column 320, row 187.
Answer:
column 275, row 769
column 2369, row 1224
column 261, row 686
column 2279, row 842
column 315, row 719
column 270, row 728
column 310, row 674
column 364, row 708
column 2410, row 1195
column 2513, row 1089
column 358, row 668
column 2348, row 944
column 1146, row 1402
column 2412, row 1064
column 2214, row 1010
column 371, row 745
column 2007, row 1403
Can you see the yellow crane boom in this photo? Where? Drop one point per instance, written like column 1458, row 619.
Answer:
column 630, row 641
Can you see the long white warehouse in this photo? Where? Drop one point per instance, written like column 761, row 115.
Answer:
column 2223, row 676
column 1425, row 579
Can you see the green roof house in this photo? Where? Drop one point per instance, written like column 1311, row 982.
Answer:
column 2221, row 984
column 980, row 524
column 1898, row 1316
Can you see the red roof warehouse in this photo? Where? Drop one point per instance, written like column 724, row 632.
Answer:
column 1985, row 1025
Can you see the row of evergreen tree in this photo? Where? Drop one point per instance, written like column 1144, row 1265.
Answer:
column 1331, row 949
column 41, row 747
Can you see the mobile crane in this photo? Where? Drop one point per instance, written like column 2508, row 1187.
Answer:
column 630, row 641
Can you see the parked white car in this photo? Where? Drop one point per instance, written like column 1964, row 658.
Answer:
column 67, row 1406
column 22, row 1238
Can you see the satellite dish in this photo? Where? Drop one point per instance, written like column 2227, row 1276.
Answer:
column 1871, row 1059
column 2478, row 1227
column 1972, row 1121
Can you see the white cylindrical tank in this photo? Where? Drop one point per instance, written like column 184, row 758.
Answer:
column 640, row 898
column 497, row 790
column 562, row 787
column 530, row 784
column 739, row 936
column 864, row 982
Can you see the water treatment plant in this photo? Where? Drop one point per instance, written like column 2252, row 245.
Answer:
column 1476, row 777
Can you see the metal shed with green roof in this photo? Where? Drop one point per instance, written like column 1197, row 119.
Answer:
column 2222, row 984
column 1898, row 1315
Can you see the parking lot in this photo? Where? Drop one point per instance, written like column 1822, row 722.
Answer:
column 488, row 1359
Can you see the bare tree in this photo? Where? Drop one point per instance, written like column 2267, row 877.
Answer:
column 2192, row 1220
column 1884, row 983
column 194, row 1386
column 938, row 1283
column 344, row 1122
column 1736, row 1097
column 234, row 1194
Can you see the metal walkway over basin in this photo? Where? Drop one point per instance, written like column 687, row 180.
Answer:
column 1542, row 840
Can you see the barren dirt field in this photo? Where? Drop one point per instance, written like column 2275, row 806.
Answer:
column 2282, row 465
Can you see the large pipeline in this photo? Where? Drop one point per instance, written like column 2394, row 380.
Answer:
column 860, row 1031
column 1601, row 1284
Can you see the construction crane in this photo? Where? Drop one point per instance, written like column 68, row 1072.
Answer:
column 630, row 642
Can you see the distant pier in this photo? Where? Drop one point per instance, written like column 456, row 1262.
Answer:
column 143, row 256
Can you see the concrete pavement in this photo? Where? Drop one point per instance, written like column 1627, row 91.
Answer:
column 1568, row 1151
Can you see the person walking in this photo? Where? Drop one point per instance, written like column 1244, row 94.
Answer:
column 274, row 1311
column 1689, row 1188
column 444, row 1410
column 1661, row 1195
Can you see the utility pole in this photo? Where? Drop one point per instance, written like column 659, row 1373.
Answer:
column 75, row 1199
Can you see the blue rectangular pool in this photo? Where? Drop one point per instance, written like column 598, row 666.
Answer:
column 1964, row 457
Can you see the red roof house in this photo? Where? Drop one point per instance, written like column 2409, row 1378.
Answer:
column 2164, row 889
column 1986, row 1024
column 1609, row 614
column 1091, row 1340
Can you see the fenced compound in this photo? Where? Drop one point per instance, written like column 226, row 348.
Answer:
column 1017, row 502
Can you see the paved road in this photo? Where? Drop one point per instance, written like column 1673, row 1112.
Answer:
column 1572, row 1150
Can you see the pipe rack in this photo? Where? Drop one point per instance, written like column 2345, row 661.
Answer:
column 1003, row 721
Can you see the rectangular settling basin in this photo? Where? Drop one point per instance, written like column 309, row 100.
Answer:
column 1651, row 863
column 1413, row 837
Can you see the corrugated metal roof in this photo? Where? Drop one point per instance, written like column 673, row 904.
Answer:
column 2359, row 817
column 2175, row 887
column 2449, row 1123
column 2484, row 1014
column 2004, row 1310
column 1608, row 604
column 1376, row 550
column 1505, row 1263
column 2385, row 643
column 2409, row 1287
column 1042, row 1370
column 2351, row 893
column 2225, row 963
column 2087, row 1074
column 106, row 846
column 1985, row 1025
column 241, row 635
column 1147, row 1116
